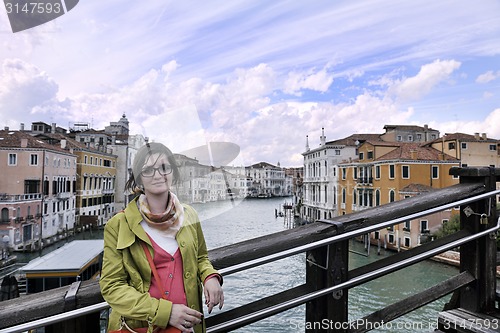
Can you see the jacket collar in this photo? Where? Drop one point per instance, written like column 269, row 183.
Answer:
column 133, row 218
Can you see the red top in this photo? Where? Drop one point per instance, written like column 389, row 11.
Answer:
column 170, row 271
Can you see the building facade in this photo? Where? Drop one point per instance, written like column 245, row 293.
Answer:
column 37, row 183
column 390, row 171
column 268, row 180
column 320, row 182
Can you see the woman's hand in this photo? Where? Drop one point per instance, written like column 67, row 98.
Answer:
column 184, row 318
column 213, row 294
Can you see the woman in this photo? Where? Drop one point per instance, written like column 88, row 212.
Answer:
column 173, row 235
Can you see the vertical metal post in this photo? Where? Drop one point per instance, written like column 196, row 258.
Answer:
column 479, row 257
column 327, row 266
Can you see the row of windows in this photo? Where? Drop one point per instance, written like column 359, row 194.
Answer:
column 5, row 217
column 33, row 161
column 94, row 183
column 12, row 160
column 337, row 152
column 365, row 198
column 96, row 201
column 418, row 136
column 366, row 172
column 97, row 161
column 463, row 146
column 57, row 207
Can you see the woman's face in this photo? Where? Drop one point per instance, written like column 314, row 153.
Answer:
column 156, row 175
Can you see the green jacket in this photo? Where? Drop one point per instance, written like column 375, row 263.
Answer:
column 126, row 274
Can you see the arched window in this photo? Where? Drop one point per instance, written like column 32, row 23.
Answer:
column 392, row 196
column 5, row 215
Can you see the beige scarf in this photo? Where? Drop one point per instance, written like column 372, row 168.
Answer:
column 169, row 222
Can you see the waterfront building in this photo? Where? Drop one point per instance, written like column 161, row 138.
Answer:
column 320, row 182
column 297, row 178
column 114, row 140
column 237, row 181
column 471, row 150
column 37, row 187
column 267, row 180
column 388, row 171
column 202, row 183
column 95, row 181
column 195, row 182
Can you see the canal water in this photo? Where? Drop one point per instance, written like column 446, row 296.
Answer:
column 229, row 222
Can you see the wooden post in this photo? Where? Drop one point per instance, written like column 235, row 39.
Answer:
column 82, row 324
column 479, row 257
column 85, row 324
column 327, row 266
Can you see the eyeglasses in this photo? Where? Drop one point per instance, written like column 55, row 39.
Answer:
column 163, row 170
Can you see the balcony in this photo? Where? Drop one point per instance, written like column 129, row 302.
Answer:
column 63, row 195
column 365, row 180
column 4, row 197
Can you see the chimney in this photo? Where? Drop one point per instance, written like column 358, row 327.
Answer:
column 24, row 143
column 484, row 137
column 63, row 144
column 476, row 136
column 6, row 128
column 322, row 138
column 22, row 127
column 307, row 143
column 413, row 154
column 53, row 128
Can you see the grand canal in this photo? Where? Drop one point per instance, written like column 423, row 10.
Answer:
column 228, row 222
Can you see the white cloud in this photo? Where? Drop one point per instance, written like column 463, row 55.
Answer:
column 487, row 77
column 23, row 87
column 490, row 124
column 429, row 76
column 313, row 80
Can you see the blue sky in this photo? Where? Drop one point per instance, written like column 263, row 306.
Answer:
column 260, row 74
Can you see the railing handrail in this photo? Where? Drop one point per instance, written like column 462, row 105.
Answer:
column 350, row 283
column 346, row 235
column 286, row 305
column 56, row 318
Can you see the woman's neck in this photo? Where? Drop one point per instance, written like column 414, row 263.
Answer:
column 157, row 202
